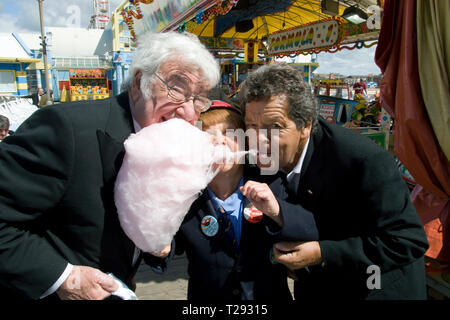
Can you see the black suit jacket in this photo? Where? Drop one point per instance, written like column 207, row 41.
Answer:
column 216, row 272
column 34, row 97
column 364, row 216
column 56, row 195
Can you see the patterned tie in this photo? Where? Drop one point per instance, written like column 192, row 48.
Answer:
column 290, row 186
column 227, row 227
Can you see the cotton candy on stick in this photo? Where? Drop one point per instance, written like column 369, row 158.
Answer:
column 165, row 167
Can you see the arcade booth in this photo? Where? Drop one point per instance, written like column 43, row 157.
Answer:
column 88, row 84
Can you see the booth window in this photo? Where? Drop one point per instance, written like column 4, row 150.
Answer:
column 7, row 81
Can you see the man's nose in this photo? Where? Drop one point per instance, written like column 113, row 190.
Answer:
column 186, row 111
column 262, row 135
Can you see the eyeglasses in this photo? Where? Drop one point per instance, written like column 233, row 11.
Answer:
column 180, row 95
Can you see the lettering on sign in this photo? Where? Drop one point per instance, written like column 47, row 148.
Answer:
column 318, row 35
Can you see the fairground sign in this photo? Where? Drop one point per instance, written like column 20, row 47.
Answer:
column 315, row 35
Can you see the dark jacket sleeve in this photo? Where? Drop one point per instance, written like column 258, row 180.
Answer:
column 392, row 235
column 34, row 167
column 298, row 224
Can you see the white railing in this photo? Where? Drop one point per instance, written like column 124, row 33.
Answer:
column 82, row 62
column 16, row 109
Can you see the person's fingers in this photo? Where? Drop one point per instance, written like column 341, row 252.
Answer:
column 100, row 293
column 167, row 249
column 264, row 195
column 86, row 283
column 253, row 193
column 287, row 246
column 106, row 282
column 285, row 258
column 246, row 187
column 253, row 189
column 280, row 256
column 163, row 253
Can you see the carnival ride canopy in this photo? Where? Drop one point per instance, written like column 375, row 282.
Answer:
column 255, row 19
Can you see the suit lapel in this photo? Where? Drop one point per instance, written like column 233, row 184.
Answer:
column 111, row 153
column 310, row 184
column 207, row 207
column 118, row 128
column 314, row 141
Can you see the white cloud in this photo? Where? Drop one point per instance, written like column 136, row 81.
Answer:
column 348, row 62
column 56, row 14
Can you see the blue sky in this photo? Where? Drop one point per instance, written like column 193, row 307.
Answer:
column 23, row 16
column 10, row 7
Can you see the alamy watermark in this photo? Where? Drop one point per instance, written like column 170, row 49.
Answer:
column 374, row 280
column 74, row 18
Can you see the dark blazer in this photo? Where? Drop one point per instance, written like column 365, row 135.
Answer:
column 216, row 272
column 34, row 97
column 364, row 216
column 57, row 175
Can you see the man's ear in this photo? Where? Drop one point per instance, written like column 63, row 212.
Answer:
column 306, row 131
column 135, row 90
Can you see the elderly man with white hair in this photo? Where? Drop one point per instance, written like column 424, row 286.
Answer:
column 59, row 231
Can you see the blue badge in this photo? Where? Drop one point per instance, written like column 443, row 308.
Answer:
column 209, row 225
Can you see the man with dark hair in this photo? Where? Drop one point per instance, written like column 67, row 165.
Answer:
column 4, row 127
column 371, row 241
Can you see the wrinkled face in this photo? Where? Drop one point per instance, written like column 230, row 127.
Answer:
column 272, row 114
column 158, row 107
column 218, row 132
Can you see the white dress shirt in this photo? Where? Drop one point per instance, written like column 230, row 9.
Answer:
column 293, row 177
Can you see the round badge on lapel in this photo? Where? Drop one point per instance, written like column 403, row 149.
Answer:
column 252, row 214
column 209, row 226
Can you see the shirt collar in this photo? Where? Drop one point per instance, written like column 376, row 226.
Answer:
column 298, row 167
column 231, row 203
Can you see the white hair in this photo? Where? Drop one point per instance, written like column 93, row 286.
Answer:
column 156, row 48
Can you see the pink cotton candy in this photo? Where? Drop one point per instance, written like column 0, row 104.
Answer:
column 165, row 167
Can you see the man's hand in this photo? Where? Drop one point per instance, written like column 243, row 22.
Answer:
column 86, row 283
column 263, row 199
column 297, row 255
column 163, row 253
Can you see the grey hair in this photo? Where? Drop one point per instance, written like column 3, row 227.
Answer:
column 156, row 48
column 282, row 80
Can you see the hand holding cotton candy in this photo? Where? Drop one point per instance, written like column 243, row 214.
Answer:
column 165, row 167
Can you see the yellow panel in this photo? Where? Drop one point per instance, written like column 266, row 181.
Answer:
column 21, row 74
column 23, row 86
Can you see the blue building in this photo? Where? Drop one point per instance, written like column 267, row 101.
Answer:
column 15, row 57
column 79, row 63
